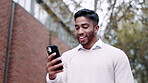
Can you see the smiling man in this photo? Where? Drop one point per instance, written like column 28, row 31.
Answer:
column 92, row 61
column 86, row 31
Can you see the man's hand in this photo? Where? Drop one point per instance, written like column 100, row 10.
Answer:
column 51, row 68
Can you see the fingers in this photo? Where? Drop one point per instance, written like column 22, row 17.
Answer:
column 52, row 66
column 53, row 62
column 52, row 69
column 50, row 57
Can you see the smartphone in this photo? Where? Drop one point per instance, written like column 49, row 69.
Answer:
column 51, row 49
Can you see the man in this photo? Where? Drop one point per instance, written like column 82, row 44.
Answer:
column 92, row 61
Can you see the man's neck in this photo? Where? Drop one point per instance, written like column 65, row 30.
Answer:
column 90, row 45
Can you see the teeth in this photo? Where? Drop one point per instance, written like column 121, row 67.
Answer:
column 81, row 37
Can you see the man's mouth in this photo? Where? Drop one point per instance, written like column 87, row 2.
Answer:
column 82, row 38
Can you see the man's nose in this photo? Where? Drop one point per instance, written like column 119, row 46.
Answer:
column 81, row 31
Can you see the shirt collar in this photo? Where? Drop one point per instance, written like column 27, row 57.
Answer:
column 97, row 45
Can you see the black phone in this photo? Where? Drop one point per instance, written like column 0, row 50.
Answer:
column 51, row 49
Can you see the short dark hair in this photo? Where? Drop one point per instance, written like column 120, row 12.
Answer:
column 88, row 14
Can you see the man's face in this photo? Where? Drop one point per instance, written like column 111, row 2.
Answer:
column 85, row 31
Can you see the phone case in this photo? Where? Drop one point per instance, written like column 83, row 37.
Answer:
column 51, row 49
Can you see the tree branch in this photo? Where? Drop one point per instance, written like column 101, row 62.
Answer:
column 125, row 11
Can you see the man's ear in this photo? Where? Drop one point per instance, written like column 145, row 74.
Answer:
column 96, row 28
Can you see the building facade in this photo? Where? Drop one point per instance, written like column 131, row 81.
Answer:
column 24, row 38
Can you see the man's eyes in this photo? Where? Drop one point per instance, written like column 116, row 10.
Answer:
column 85, row 26
column 77, row 27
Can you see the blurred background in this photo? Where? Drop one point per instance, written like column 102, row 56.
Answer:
column 27, row 27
